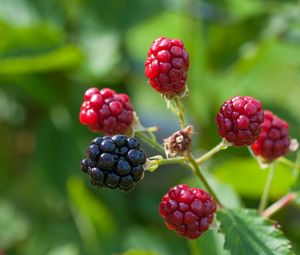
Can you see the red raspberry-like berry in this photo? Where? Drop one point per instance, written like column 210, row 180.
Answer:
column 187, row 211
column 239, row 120
column 166, row 66
column 274, row 140
column 106, row 111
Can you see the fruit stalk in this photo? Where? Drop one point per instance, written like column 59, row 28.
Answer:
column 155, row 145
column 289, row 163
column 180, row 112
column 164, row 161
column 196, row 169
column 284, row 201
column 223, row 145
column 265, row 195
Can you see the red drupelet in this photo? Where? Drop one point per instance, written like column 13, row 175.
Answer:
column 106, row 111
column 239, row 120
column 187, row 211
column 166, row 66
column 274, row 140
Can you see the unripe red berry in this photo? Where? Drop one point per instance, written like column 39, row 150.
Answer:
column 239, row 120
column 166, row 66
column 274, row 140
column 106, row 111
column 187, row 211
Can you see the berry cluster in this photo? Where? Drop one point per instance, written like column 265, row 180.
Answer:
column 274, row 140
column 114, row 162
column 118, row 162
column 239, row 120
column 106, row 111
column 188, row 211
column 166, row 66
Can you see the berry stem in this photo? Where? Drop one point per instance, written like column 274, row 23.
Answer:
column 180, row 112
column 282, row 202
column 223, row 145
column 150, row 142
column 265, row 195
column 164, row 161
column 156, row 161
column 196, row 169
column 289, row 163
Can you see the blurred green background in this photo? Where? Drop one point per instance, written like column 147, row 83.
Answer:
column 52, row 51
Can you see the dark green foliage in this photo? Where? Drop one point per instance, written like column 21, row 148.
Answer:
column 52, row 51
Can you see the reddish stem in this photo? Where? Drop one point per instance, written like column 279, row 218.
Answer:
column 284, row 201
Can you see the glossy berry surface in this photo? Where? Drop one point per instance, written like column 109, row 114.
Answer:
column 114, row 162
column 166, row 66
column 187, row 211
column 239, row 120
column 274, row 140
column 106, row 111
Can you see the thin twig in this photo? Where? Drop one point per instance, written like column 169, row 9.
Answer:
column 196, row 169
column 221, row 146
column 289, row 163
column 180, row 112
column 281, row 203
column 265, row 195
column 154, row 144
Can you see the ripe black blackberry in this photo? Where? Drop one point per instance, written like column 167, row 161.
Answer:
column 114, row 162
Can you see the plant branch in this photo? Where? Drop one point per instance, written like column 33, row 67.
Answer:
column 180, row 112
column 154, row 144
column 221, row 146
column 281, row 203
column 265, row 195
column 196, row 169
column 289, row 163
column 164, row 161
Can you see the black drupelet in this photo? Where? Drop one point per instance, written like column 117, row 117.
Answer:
column 114, row 162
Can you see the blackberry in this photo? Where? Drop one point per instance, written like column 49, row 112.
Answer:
column 114, row 162
column 166, row 66
column 274, row 140
column 239, row 120
column 106, row 111
column 187, row 211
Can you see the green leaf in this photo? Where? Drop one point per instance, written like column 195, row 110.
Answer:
column 94, row 221
column 90, row 206
column 238, row 172
column 223, row 191
column 297, row 200
column 139, row 252
column 14, row 225
column 62, row 58
column 66, row 249
column 247, row 233
column 211, row 242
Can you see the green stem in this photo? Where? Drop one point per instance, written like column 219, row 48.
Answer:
column 265, row 195
column 164, row 161
column 180, row 112
column 156, row 161
column 193, row 247
column 289, row 163
column 196, row 169
column 284, row 201
column 154, row 144
column 221, row 146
